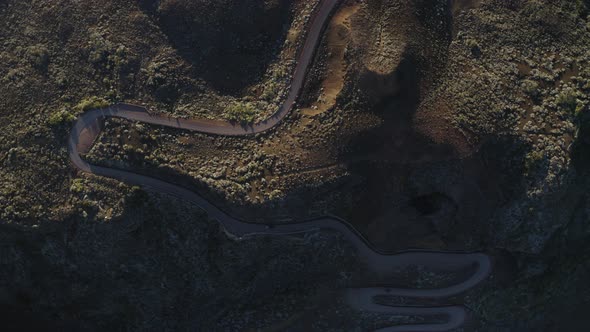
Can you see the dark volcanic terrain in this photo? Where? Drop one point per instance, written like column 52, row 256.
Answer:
column 452, row 125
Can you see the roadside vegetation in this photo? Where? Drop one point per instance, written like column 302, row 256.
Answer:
column 242, row 112
column 61, row 118
column 91, row 103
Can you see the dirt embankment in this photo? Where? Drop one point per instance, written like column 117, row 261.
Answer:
column 337, row 39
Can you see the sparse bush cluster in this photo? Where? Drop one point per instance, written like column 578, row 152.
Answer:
column 78, row 185
column 38, row 57
column 568, row 100
column 91, row 103
column 115, row 65
column 243, row 112
column 531, row 88
column 532, row 159
column 112, row 57
column 68, row 114
column 61, row 118
column 161, row 79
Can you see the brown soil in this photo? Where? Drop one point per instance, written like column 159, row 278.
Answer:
column 338, row 38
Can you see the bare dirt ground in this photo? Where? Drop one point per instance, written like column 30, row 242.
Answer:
column 338, row 38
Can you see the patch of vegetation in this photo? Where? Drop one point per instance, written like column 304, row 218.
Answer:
column 242, row 112
column 98, row 49
column 531, row 88
column 546, row 17
column 162, row 80
column 91, row 103
column 102, row 52
column 532, row 159
column 38, row 57
column 61, row 118
column 568, row 100
column 77, row 186
column 579, row 112
column 270, row 91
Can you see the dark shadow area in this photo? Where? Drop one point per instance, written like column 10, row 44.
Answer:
column 418, row 193
column 581, row 147
column 17, row 316
column 19, row 294
column 229, row 43
column 394, row 99
column 154, row 268
column 434, row 203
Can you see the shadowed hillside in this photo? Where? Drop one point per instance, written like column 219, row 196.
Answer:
column 229, row 43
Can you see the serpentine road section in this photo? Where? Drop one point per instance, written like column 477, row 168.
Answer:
column 89, row 125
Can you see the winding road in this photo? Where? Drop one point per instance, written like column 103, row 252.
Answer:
column 89, row 125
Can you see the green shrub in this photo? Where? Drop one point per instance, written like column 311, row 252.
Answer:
column 532, row 159
column 568, row 100
column 531, row 88
column 162, row 80
column 38, row 57
column 156, row 74
column 547, row 17
column 61, row 118
column 99, row 48
column 77, row 186
column 241, row 112
column 91, row 103
column 270, row 91
column 104, row 54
